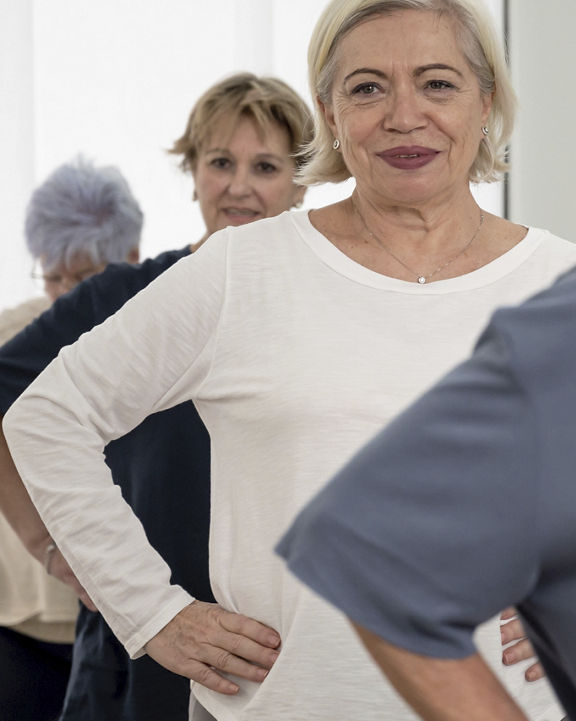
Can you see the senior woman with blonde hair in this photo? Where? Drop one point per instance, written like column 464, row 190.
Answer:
column 297, row 338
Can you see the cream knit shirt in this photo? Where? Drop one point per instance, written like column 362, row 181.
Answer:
column 295, row 356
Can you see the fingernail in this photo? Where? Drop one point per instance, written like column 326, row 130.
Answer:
column 273, row 640
column 508, row 657
column 531, row 676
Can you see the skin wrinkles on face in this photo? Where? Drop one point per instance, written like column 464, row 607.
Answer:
column 245, row 175
column 417, row 71
column 401, row 81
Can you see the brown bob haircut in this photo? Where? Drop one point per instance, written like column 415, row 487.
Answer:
column 266, row 100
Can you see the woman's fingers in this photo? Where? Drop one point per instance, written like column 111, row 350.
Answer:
column 245, row 627
column 522, row 649
column 519, row 651
column 535, row 672
column 508, row 613
column 204, row 639
column 512, row 631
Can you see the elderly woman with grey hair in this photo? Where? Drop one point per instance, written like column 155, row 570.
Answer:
column 78, row 220
column 297, row 338
column 81, row 218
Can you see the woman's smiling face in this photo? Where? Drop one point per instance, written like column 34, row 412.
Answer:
column 406, row 107
column 244, row 175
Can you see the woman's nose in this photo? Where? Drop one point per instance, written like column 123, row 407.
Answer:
column 240, row 183
column 403, row 111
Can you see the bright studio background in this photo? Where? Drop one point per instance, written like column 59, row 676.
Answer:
column 115, row 80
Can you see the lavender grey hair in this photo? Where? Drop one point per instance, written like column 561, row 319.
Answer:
column 479, row 44
column 81, row 208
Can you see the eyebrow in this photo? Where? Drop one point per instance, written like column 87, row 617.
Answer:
column 365, row 71
column 437, row 66
column 258, row 155
column 419, row 71
column 217, row 150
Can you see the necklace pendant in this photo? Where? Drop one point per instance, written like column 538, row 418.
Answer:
column 421, row 280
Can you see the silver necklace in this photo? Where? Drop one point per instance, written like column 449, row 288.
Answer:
column 420, row 277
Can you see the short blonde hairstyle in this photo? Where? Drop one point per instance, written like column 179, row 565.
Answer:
column 480, row 45
column 267, row 101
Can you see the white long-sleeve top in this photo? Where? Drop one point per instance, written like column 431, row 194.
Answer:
column 295, row 356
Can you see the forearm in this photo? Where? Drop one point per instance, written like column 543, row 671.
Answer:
column 63, row 468
column 20, row 512
column 440, row 689
column 17, row 507
column 97, row 390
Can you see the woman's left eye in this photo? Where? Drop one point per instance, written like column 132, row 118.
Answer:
column 439, row 85
column 265, row 167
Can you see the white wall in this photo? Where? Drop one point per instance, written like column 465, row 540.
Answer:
column 115, row 80
column 16, row 143
column 543, row 58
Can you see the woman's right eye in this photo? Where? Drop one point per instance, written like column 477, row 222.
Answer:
column 220, row 163
column 365, row 89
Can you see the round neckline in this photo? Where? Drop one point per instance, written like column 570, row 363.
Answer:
column 344, row 265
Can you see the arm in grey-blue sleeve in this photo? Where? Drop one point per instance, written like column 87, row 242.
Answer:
column 413, row 539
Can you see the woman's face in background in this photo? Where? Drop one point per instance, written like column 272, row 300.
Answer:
column 245, row 175
column 61, row 278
